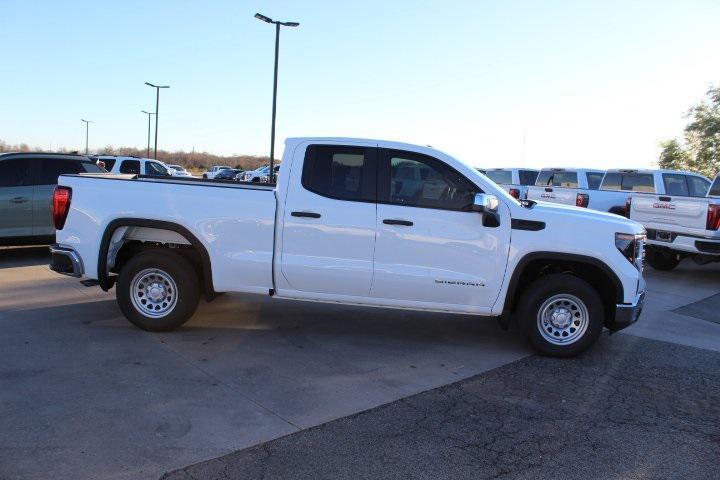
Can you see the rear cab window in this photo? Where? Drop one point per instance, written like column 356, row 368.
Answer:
column 629, row 182
column 715, row 188
column 594, row 179
column 528, row 177
column 557, row 178
column 501, row 177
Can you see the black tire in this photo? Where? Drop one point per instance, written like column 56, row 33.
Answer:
column 572, row 296
column 182, row 300
column 661, row 260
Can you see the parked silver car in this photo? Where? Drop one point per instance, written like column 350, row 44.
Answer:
column 27, row 182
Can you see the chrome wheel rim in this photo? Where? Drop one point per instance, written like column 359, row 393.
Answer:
column 153, row 293
column 563, row 319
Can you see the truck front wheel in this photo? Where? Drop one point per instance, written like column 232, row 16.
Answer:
column 157, row 290
column 561, row 314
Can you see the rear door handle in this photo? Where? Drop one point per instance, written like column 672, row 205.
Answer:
column 305, row 214
column 391, row 221
column 19, row 200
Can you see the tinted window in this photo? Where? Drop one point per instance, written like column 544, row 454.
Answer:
column 420, row 181
column 345, row 173
column 52, row 168
column 501, row 177
column 109, row 163
column 130, row 166
column 594, row 180
column 697, row 186
column 675, row 184
column 553, row 178
column 155, row 169
column 714, row 190
column 16, row 172
column 527, row 177
column 629, row 182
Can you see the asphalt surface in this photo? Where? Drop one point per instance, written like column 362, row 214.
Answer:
column 632, row 408
column 83, row 394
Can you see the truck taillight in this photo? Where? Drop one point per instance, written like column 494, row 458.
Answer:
column 515, row 193
column 582, row 200
column 61, row 205
column 713, row 217
column 628, row 206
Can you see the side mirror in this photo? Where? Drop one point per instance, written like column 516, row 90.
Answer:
column 487, row 205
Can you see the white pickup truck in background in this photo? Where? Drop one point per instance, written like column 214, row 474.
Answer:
column 515, row 181
column 679, row 226
column 567, row 186
column 214, row 170
column 134, row 165
column 362, row 222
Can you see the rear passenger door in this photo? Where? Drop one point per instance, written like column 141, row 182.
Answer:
column 50, row 170
column 16, row 195
column 328, row 234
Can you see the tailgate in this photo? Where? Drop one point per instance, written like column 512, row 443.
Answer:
column 671, row 212
column 565, row 196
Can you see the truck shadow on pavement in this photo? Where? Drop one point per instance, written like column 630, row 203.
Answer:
column 11, row 257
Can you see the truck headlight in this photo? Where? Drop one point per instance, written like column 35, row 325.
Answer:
column 632, row 247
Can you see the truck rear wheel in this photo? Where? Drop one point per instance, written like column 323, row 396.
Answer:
column 661, row 260
column 157, row 290
column 561, row 314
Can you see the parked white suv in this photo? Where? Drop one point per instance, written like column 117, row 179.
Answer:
column 679, row 225
column 214, row 170
column 568, row 186
column 348, row 222
column 514, row 180
column 134, row 165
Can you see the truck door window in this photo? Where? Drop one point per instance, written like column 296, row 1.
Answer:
column 417, row 180
column 553, row 178
column 594, row 179
column 697, row 186
column 155, row 169
column 52, row 168
column 342, row 172
column 714, row 190
column 501, row 177
column 109, row 163
column 528, row 177
column 675, row 184
column 16, row 173
column 130, row 166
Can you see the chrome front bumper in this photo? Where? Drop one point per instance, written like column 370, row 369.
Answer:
column 66, row 261
column 627, row 313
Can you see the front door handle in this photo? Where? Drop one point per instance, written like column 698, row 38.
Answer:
column 392, row 221
column 19, row 200
column 305, row 214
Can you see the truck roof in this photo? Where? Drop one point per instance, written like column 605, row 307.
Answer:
column 572, row 169
column 653, row 170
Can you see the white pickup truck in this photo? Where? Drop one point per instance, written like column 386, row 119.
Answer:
column 679, row 226
column 515, row 181
column 567, row 186
column 214, row 170
column 349, row 222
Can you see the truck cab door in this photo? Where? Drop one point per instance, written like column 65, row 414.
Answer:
column 431, row 250
column 328, row 230
column 16, row 197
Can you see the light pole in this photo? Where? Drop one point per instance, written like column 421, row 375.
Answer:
column 149, row 114
column 157, row 108
column 274, row 104
column 87, row 132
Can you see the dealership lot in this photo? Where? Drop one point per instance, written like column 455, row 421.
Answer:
column 86, row 395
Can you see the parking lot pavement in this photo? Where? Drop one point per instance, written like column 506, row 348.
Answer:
column 83, row 394
column 86, row 395
column 631, row 408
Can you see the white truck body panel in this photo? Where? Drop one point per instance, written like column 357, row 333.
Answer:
column 444, row 261
column 561, row 193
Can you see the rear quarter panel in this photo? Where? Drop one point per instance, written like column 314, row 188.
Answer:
column 235, row 225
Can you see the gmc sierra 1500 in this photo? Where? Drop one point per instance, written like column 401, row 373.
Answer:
column 362, row 222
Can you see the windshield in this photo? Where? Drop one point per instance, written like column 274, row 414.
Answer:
column 501, row 177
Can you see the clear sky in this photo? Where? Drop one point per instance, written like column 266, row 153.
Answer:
column 586, row 83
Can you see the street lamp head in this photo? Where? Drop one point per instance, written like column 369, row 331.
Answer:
column 147, row 113
column 262, row 17
column 289, row 24
column 150, row 84
column 156, row 86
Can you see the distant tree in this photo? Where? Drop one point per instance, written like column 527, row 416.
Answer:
column 674, row 156
column 700, row 150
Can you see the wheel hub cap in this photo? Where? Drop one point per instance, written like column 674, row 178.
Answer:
column 563, row 319
column 153, row 293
